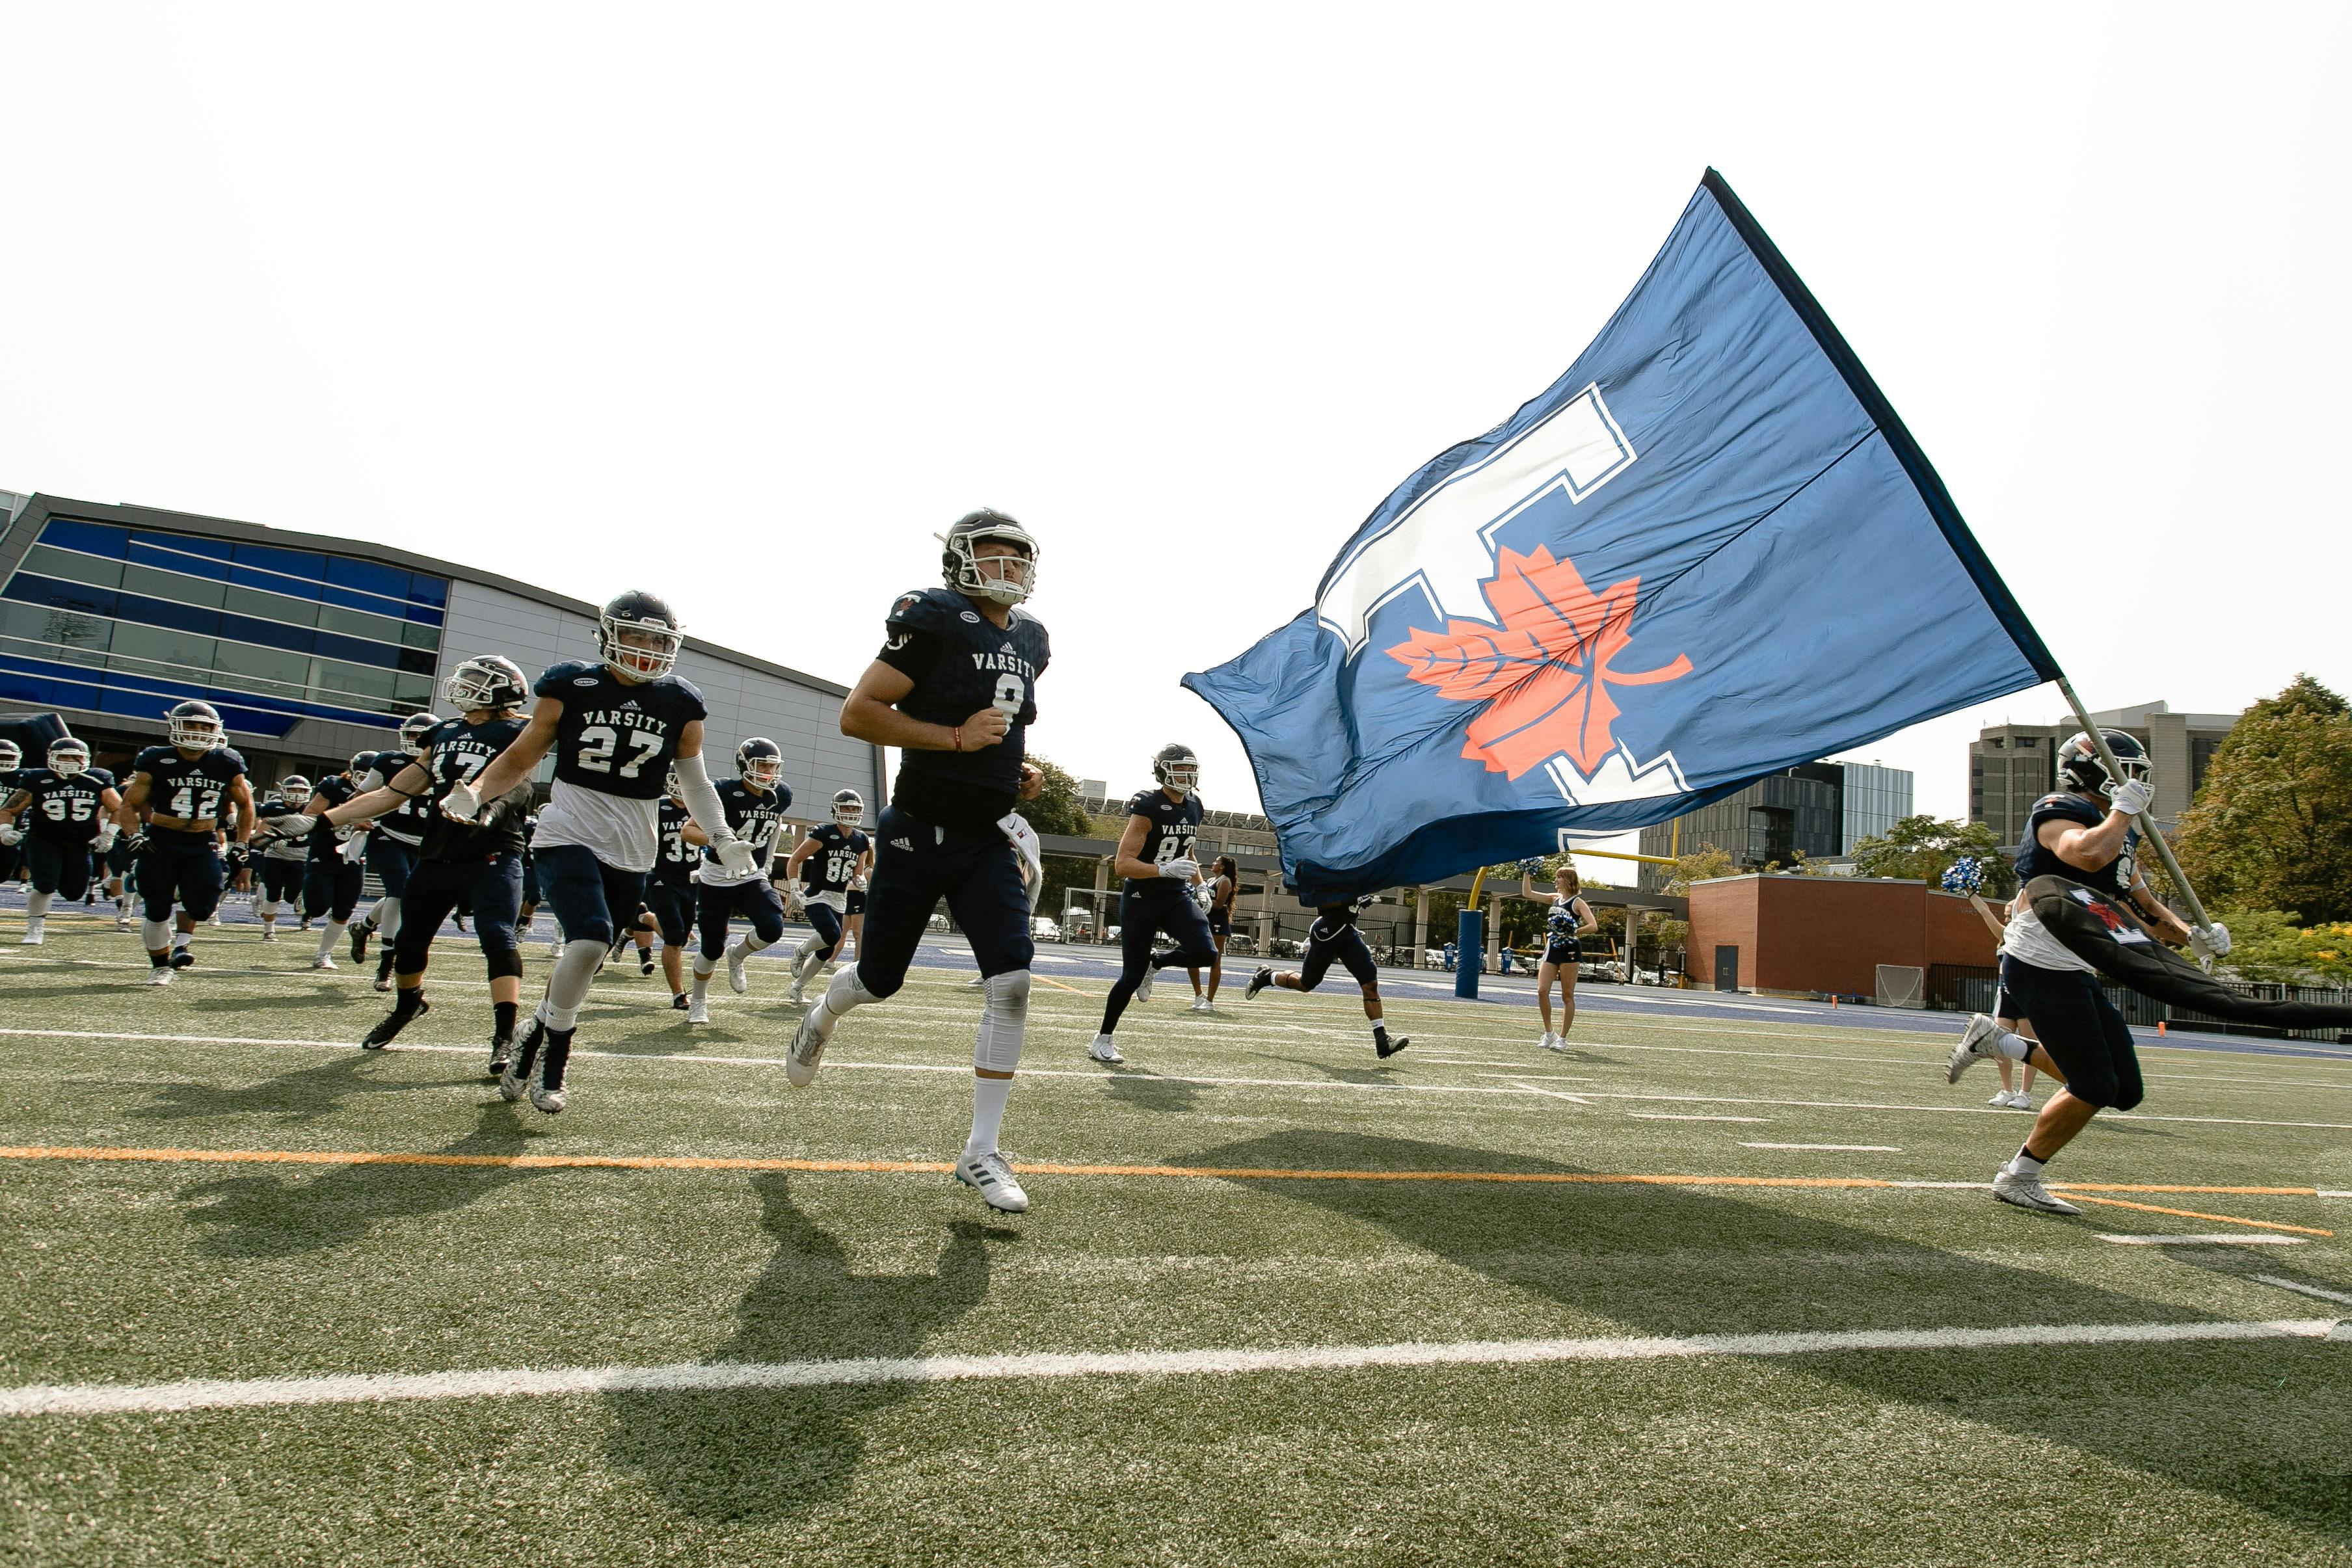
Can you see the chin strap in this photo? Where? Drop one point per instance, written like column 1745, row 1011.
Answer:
column 701, row 798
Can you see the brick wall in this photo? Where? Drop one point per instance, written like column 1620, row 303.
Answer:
column 1830, row 933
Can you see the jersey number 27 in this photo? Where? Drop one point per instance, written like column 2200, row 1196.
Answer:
column 598, row 742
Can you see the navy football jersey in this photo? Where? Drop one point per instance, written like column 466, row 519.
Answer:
column 675, row 864
column 408, row 822
column 63, row 811
column 326, row 843
column 454, row 752
column 2033, row 860
column 829, row 867
column 1175, row 824
column 755, row 819
column 960, row 662
column 616, row 739
column 194, row 788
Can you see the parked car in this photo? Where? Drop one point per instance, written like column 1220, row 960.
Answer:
column 1078, row 925
column 1043, row 929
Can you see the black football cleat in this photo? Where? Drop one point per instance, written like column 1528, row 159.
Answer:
column 1258, row 982
column 1388, row 1048
column 501, row 1050
column 359, row 935
column 392, row 1023
column 514, row 1080
column 679, row 1002
column 182, row 958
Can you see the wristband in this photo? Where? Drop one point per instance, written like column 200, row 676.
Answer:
column 959, row 737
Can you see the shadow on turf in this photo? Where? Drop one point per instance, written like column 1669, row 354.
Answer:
column 304, row 1094
column 770, row 1454
column 1679, row 1261
column 280, row 1214
column 1147, row 1091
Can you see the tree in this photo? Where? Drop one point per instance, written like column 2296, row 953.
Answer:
column 2271, row 825
column 1702, row 864
column 1923, row 848
column 2265, row 945
column 1056, row 808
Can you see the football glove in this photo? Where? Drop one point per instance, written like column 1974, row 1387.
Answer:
column 104, row 841
column 138, row 845
column 1183, row 870
column 237, row 856
column 2209, row 943
column 737, row 857
column 2131, row 797
column 12, row 834
column 463, row 803
column 354, row 849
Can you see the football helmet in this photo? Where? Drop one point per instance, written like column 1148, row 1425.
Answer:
column 12, row 757
column 361, row 762
column 2079, row 766
column 412, row 730
column 848, row 809
column 1016, row 577
column 672, row 786
column 295, row 790
column 67, row 757
column 195, row 726
column 1177, row 769
column 486, row 680
column 759, row 762
column 638, row 636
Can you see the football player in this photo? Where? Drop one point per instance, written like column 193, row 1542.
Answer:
column 71, row 806
column 1334, row 936
column 332, row 876
column 754, row 802
column 184, row 787
column 1567, row 922
column 2086, row 832
column 1225, row 885
column 478, row 861
column 828, row 865
column 278, row 857
column 617, row 723
column 669, row 891
column 954, row 689
column 1162, row 889
column 392, row 844
column 12, row 764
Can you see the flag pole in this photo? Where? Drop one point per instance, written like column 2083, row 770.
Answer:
column 2147, row 821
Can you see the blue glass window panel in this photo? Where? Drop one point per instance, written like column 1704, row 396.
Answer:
column 148, row 549
column 433, row 590
column 95, row 538
column 176, row 586
column 78, row 597
column 269, row 633
column 150, row 611
column 267, row 606
column 353, row 650
column 188, row 544
column 389, row 581
column 359, row 624
column 417, row 661
column 424, row 616
column 361, row 599
column 308, row 565
column 45, row 560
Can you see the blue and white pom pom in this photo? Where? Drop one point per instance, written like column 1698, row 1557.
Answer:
column 1966, row 876
column 1532, row 866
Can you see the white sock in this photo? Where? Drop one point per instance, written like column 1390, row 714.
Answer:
column 385, row 918
column 329, row 934
column 37, row 904
column 802, row 954
column 701, row 987
column 846, row 992
column 739, row 950
column 180, row 940
column 567, row 985
column 988, row 1098
column 2022, row 1163
column 1003, row 1018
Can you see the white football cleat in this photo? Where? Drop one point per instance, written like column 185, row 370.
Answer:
column 1200, row 1004
column 2001, row 1097
column 1976, row 1045
column 798, row 994
column 2021, row 1101
column 159, row 976
column 2027, row 1192
column 698, row 1010
column 736, row 981
column 989, row 1176
column 270, row 933
column 32, row 937
column 1143, row 990
column 975, row 983
column 807, row 1052
column 322, row 962
column 1104, row 1050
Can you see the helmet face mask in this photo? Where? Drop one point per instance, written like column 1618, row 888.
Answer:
column 360, row 761
column 1005, row 575
column 848, row 809
column 2079, row 766
column 295, row 790
column 759, row 762
column 12, row 757
column 672, row 786
column 195, row 726
column 638, row 637
column 413, row 730
column 1177, row 770
column 486, row 680
column 68, row 758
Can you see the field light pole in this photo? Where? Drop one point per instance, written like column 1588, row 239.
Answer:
column 2147, row 821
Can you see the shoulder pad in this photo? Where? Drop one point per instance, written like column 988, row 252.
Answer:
column 233, row 758
column 692, row 693
column 925, row 609
column 1140, row 806
column 557, row 679
column 153, row 758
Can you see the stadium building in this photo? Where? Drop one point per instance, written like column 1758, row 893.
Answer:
column 1819, row 811
column 314, row 648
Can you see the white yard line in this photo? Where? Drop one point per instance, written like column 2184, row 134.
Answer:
column 2303, row 1289
column 834, row 1064
column 267, row 1393
column 1832, row 1148
column 1552, row 1092
column 2212, row 1240
column 1684, row 1116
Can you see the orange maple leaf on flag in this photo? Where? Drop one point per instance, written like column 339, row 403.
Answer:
column 1545, row 668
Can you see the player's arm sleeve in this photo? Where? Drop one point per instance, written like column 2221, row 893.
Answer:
column 702, row 796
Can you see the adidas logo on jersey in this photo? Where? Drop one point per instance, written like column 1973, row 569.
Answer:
column 630, row 705
column 901, row 844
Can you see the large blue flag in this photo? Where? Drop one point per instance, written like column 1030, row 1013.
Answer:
column 1707, row 552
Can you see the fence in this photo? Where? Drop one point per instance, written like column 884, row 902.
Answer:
column 1961, row 988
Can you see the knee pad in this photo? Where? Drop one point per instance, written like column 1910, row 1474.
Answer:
column 871, row 992
column 503, row 960
column 156, row 933
column 1003, row 1018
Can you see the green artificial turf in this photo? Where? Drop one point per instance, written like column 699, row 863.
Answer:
column 151, row 1271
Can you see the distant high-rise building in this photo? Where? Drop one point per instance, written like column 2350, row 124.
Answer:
column 2012, row 766
column 1817, row 810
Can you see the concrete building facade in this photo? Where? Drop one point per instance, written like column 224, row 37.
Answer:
column 2011, row 766
column 1817, row 810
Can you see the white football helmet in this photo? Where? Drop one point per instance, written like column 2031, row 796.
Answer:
column 68, row 758
column 848, row 809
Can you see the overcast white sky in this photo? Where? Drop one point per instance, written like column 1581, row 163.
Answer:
column 741, row 306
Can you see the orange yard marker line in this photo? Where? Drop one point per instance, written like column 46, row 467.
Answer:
column 1190, row 1173
column 1048, row 979
column 2193, row 1214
